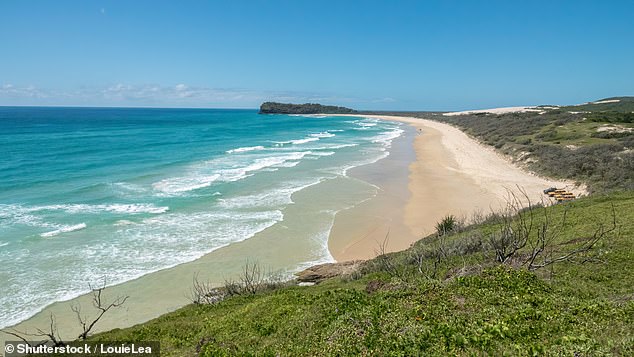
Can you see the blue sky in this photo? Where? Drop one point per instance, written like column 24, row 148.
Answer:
column 407, row 55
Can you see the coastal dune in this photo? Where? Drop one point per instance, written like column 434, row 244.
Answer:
column 451, row 174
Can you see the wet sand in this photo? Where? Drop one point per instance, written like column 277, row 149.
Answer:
column 362, row 231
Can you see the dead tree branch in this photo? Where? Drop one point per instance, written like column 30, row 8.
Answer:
column 97, row 301
column 51, row 336
column 516, row 225
column 544, row 241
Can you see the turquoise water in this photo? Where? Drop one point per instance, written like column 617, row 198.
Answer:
column 88, row 193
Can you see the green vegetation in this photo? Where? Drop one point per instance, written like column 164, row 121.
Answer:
column 596, row 147
column 446, row 225
column 449, row 294
column 308, row 108
column 614, row 104
column 611, row 117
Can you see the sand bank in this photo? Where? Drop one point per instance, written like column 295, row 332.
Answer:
column 452, row 174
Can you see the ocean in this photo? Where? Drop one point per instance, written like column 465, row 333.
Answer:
column 94, row 194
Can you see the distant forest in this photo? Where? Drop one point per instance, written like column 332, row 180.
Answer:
column 308, row 108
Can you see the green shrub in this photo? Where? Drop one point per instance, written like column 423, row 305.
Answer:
column 446, row 225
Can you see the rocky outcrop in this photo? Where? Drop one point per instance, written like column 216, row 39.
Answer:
column 308, row 108
column 321, row 272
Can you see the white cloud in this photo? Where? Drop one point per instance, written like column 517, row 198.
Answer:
column 11, row 91
column 179, row 95
column 384, row 100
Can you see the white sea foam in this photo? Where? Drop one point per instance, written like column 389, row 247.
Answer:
column 323, row 134
column 16, row 214
column 177, row 185
column 64, row 229
column 304, row 141
column 370, row 157
column 159, row 242
column 2, row 244
column 281, row 165
column 322, row 153
column 134, row 208
column 245, row 149
column 317, row 116
column 204, row 174
column 308, row 139
column 340, row 146
column 364, row 124
column 239, row 173
column 277, row 197
column 387, row 137
column 11, row 215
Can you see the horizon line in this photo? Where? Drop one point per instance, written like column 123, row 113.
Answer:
column 202, row 108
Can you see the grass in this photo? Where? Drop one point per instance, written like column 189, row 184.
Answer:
column 471, row 306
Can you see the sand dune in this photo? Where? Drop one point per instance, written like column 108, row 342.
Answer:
column 496, row 111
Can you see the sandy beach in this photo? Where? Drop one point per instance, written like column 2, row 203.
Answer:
column 451, row 174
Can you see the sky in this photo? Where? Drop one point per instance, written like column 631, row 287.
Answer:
column 380, row 55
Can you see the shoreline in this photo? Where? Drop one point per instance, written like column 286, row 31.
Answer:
column 452, row 173
column 359, row 232
column 414, row 180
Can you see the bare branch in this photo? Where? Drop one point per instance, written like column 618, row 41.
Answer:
column 600, row 233
column 52, row 336
column 516, row 225
column 383, row 260
column 203, row 292
column 21, row 336
column 102, row 307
